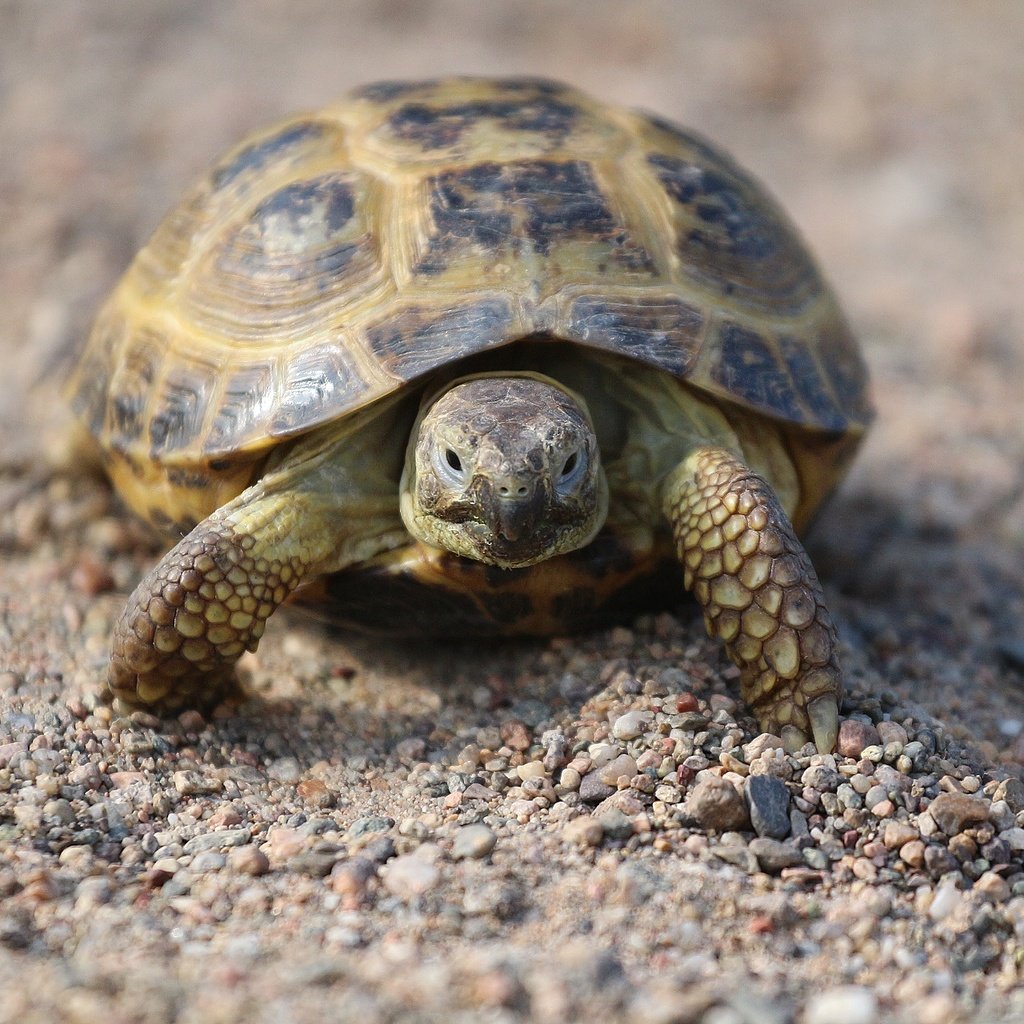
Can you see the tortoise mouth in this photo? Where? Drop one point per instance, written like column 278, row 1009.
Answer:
column 515, row 552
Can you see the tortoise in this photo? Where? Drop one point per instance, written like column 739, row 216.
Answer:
column 476, row 355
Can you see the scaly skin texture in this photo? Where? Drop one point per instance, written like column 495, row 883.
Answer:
column 207, row 601
column 759, row 593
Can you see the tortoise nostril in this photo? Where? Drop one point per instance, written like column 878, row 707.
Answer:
column 520, row 492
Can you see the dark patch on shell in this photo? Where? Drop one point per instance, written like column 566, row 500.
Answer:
column 256, row 156
column 806, row 378
column 327, row 199
column 575, row 603
column 506, row 608
column 242, row 406
column 302, row 243
column 733, row 237
column 382, row 92
column 397, row 604
column 418, row 339
column 493, row 206
column 664, row 331
column 179, row 416
column 845, row 366
column 192, row 479
column 747, row 367
column 475, row 602
column 127, row 411
column 91, row 386
column 290, row 233
column 443, row 126
column 691, row 140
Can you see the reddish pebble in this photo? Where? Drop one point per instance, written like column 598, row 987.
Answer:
column 91, row 577
column 515, row 735
column 686, row 702
column 248, row 860
column 192, row 721
column 224, row 817
column 850, row 838
column 854, row 736
column 315, row 792
column 762, row 925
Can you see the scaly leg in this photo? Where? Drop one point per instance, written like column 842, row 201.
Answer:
column 208, row 600
column 759, row 593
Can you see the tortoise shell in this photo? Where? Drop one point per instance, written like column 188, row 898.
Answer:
column 342, row 255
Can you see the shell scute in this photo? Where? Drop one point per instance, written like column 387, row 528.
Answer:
column 500, row 214
column 316, row 381
column 466, row 121
column 730, row 236
column 289, row 141
column 308, row 243
column 663, row 331
column 442, row 127
column 244, row 407
column 803, row 370
column 417, row 339
column 748, row 367
column 179, row 412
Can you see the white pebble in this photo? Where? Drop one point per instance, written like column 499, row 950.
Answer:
column 410, row 876
column 1013, row 837
column 945, row 901
column 846, row 1004
column 631, row 724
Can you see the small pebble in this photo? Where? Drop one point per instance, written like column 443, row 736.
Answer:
column 993, row 886
column 614, row 823
column 768, row 800
column 898, row 834
column 854, row 736
column 531, row 770
column 584, row 831
column 946, row 899
column 592, row 790
column 891, row 732
column 717, row 806
column 846, row 1004
column 953, row 812
column 410, row 876
column 622, row 766
column 773, row 855
column 631, row 724
column 473, row 842
column 248, row 860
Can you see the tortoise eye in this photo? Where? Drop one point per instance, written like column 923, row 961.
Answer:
column 453, row 460
column 570, row 465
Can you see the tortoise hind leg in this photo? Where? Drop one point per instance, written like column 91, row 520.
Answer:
column 760, row 595
column 207, row 601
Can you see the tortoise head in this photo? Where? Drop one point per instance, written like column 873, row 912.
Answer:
column 504, row 470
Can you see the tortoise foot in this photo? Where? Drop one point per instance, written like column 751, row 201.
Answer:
column 760, row 595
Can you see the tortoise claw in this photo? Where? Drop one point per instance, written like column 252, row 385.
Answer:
column 793, row 738
column 824, row 715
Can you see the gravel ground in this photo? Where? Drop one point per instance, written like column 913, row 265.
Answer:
column 578, row 829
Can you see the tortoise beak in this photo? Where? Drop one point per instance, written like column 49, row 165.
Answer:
column 517, row 517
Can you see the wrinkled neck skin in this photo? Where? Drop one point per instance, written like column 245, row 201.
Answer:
column 504, row 468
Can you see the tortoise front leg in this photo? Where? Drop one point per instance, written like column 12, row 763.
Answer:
column 760, row 594
column 208, row 600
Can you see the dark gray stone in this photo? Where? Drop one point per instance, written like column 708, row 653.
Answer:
column 768, row 800
column 593, row 790
column 772, row 856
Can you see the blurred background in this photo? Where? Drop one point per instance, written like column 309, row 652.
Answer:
column 892, row 133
